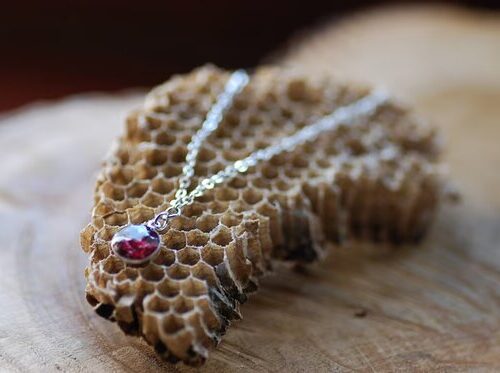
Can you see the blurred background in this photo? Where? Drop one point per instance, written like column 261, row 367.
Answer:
column 54, row 48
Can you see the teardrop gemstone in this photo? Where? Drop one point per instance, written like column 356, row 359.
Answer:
column 136, row 244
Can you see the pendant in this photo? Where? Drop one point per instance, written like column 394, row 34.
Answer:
column 136, row 244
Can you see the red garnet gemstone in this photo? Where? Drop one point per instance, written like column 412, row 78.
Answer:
column 136, row 244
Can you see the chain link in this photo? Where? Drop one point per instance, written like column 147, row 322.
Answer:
column 238, row 80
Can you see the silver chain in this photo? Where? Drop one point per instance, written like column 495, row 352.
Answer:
column 237, row 81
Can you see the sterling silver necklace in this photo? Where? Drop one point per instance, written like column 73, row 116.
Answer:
column 139, row 243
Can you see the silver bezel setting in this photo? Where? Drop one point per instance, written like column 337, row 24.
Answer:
column 119, row 237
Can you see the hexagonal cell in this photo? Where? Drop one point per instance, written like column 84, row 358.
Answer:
column 112, row 265
column 205, row 272
column 231, row 220
column 144, row 171
column 197, row 238
column 114, row 192
column 212, row 254
column 156, row 156
column 209, row 318
column 226, row 194
column 102, row 208
column 174, row 239
column 99, row 252
column 261, row 183
column 128, row 273
column 117, row 219
column 152, row 272
column 172, row 324
column 157, row 304
column 162, row 186
column 152, row 199
column 166, row 257
column 207, row 222
column 188, row 256
column 137, row 190
column 282, row 185
column 164, row 138
column 206, row 155
column 172, row 170
column 151, row 121
column 183, row 223
column 168, row 287
column 323, row 162
column 140, row 214
column 252, row 196
column 121, row 175
column 299, row 161
column 178, row 154
column 193, row 210
column 182, row 305
column 192, row 287
column 106, row 233
column 238, row 182
column 222, row 236
column 178, row 271
column 218, row 207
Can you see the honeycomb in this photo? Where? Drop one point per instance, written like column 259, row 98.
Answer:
column 378, row 181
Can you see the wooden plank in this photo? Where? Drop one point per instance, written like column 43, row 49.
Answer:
column 431, row 307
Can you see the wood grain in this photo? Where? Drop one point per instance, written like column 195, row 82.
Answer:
column 433, row 307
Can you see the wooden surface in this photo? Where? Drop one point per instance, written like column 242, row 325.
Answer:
column 433, row 307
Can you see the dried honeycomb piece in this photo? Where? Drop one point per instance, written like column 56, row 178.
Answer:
column 375, row 181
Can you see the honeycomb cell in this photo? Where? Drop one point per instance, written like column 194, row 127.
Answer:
column 137, row 190
column 197, row 238
column 205, row 155
column 168, row 287
column 376, row 180
column 178, row 155
column 156, row 156
column 218, row 207
column 194, row 210
column 117, row 219
column 153, row 273
column 157, row 304
column 172, row 324
column 252, row 196
column 175, row 239
column 205, row 272
column 222, row 236
column 230, row 220
column 183, row 305
column 178, row 271
column 128, row 273
column 207, row 222
column 152, row 199
column 112, row 265
column 103, row 208
column 212, row 254
column 238, row 182
column 192, row 287
column 282, row 185
column 226, row 194
column 120, row 175
column 172, row 170
column 166, row 257
column 183, row 223
column 106, row 233
column 144, row 171
column 162, row 186
column 165, row 138
column 188, row 256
